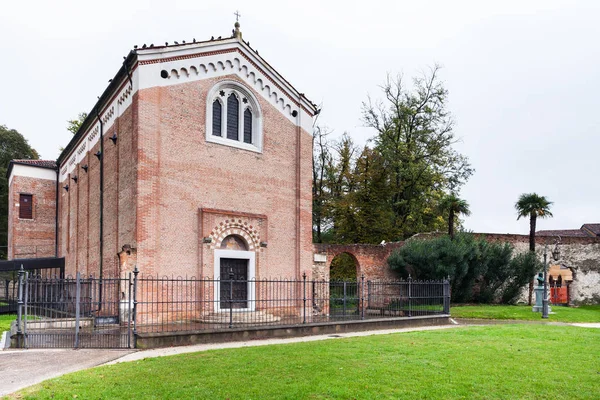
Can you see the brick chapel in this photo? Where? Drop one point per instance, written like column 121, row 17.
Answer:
column 196, row 160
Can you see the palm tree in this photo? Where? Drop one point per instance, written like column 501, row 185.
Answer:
column 534, row 206
column 454, row 206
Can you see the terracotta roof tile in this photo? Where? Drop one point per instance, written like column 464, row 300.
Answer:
column 592, row 229
column 37, row 163
column 562, row 232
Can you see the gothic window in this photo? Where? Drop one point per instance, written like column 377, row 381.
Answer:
column 248, row 126
column 216, row 117
column 234, row 118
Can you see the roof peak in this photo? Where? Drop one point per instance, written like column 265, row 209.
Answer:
column 237, row 33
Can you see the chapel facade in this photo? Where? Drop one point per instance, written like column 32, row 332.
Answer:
column 196, row 160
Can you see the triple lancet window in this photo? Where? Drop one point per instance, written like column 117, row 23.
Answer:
column 233, row 117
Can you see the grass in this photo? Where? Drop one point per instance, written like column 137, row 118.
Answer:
column 490, row 362
column 561, row 314
column 5, row 321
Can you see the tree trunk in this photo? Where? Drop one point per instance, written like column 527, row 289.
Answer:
column 532, row 220
column 451, row 224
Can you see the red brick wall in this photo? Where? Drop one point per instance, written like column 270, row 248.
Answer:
column 371, row 259
column 180, row 173
column 162, row 171
column 79, row 208
column 32, row 238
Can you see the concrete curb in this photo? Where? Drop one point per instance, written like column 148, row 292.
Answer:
column 163, row 352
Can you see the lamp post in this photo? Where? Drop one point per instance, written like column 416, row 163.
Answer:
column 556, row 257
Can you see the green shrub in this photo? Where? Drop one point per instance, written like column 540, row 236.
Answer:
column 479, row 271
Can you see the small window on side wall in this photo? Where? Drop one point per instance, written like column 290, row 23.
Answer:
column 26, row 206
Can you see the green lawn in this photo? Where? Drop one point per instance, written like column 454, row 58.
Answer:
column 490, row 362
column 5, row 321
column 561, row 314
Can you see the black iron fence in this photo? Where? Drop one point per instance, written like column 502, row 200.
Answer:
column 92, row 312
column 73, row 312
column 9, row 270
column 9, row 296
column 192, row 304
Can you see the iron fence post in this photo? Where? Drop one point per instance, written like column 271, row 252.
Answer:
column 25, row 307
column 77, row 307
column 409, row 296
column 304, row 297
column 231, row 297
column 447, row 296
column 20, row 307
column 129, row 286
column 135, row 302
column 362, row 296
column 344, row 300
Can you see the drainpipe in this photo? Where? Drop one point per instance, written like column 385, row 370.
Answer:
column 298, row 183
column 56, row 212
column 101, row 158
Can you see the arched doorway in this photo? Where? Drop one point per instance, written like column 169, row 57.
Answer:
column 560, row 278
column 344, row 288
column 343, row 267
column 235, row 269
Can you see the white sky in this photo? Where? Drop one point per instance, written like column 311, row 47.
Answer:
column 522, row 75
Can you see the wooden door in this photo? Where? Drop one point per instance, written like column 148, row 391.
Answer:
column 234, row 283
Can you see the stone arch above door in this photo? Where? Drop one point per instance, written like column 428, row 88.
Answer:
column 235, row 227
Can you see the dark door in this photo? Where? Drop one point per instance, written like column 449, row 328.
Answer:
column 234, row 291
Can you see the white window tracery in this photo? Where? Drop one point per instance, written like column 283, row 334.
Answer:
column 233, row 117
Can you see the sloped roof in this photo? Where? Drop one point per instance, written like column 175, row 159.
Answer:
column 593, row 229
column 130, row 62
column 586, row 230
column 37, row 163
column 562, row 232
column 48, row 164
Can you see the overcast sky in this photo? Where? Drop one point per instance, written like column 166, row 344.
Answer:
column 523, row 77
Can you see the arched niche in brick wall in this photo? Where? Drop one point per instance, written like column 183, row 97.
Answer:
column 344, row 266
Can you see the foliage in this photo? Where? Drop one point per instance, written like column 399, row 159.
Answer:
column 522, row 268
column 391, row 188
column 533, row 206
column 485, row 362
column 73, row 125
column 343, row 268
column 479, row 271
column 12, row 146
column 559, row 314
column 454, row 206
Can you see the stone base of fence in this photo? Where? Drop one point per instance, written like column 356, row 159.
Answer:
column 167, row 339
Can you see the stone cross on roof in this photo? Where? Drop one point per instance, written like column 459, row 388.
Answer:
column 236, row 32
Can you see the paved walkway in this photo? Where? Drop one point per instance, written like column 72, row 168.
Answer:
column 22, row 368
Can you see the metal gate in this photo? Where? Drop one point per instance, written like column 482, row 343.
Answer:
column 75, row 312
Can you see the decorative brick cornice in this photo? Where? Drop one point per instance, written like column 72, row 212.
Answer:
column 186, row 70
